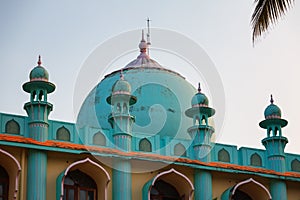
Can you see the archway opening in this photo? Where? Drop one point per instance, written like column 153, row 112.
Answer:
column 91, row 179
column 162, row 190
column 79, row 186
column 4, row 184
column 12, row 167
column 250, row 190
column 171, row 185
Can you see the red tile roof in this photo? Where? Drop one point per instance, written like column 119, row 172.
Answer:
column 68, row 145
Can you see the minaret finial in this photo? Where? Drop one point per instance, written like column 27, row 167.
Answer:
column 199, row 87
column 39, row 61
column 272, row 101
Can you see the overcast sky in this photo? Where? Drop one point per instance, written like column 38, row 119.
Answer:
column 66, row 32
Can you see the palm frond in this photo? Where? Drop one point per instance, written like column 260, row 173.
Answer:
column 267, row 12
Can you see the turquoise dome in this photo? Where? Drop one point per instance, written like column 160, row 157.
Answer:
column 39, row 73
column 122, row 85
column 162, row 98
column 272, row 111
column 199, row 99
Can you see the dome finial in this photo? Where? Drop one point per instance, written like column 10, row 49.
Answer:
column 272, row 101
column 39, row 61
column 199, row 88
column 143, row 37
column 143, row 45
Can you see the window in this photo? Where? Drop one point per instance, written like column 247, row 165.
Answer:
column 223, row 156
column 197, row 121
column 4, row 182
column 63, row 134
column 12, row 127
column 179, row 150
column 255, row 160
column 295, row 165
column 125, row 108
column 99, row 139
column 145, row 145
column 79, row 186
column 163, row 190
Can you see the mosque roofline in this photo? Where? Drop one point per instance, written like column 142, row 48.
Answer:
column 138, row 68
column 59, row 146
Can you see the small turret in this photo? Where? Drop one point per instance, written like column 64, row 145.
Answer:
column 38, row 108
column 120, row 118
column 201, row 132
column 274, row 142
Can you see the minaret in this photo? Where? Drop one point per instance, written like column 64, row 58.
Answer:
column 120, row 118
column 121, row 122
column 275, row 144
column 38, row 110
column 201, row 133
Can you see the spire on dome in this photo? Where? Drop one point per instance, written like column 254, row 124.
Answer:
column 148, row 33
column 143, row 45
column 39, row 61
column 143, row 37
column 272, row 101
column 199, row 88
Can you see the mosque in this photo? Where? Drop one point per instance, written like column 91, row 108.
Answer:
column 112, row 152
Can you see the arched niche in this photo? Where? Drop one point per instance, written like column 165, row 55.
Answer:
column 12, row 127
column 179, row 150
column 90, row 168
column 145, row 145
column 13, row 168
column 99, row 139
column 63, row 134
column 295, row 165
column 172, row 179
column 223, row 155
column 255, row 160
column 249, row 189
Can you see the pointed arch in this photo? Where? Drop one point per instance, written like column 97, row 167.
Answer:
column 99, row 139
column 184, row 185
column 12, row 127
column 63, row 134
column 256, row 192
column 145, row 145
column 91, row 168
column 295, row 165
column 13, row 168
column 179, row 150
column 255, row 160
column 223, row 155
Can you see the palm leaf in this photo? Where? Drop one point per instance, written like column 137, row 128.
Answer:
column 267, row 12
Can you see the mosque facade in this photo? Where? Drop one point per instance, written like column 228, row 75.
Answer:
column 142, row 133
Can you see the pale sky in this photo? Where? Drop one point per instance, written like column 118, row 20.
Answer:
column 65, row 33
